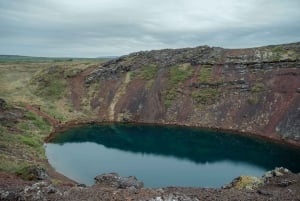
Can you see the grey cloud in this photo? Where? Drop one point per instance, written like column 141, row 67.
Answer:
column 104, row 27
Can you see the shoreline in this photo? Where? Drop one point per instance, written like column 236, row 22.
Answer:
column 269, row 138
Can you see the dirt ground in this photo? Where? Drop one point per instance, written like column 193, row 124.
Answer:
column 282, row 186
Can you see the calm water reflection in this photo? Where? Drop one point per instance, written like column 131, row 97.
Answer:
column 164, row 156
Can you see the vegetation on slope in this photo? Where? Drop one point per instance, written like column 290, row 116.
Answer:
column 43, row 83
column 177, row 75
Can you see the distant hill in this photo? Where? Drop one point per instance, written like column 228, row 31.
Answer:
column 20, row 58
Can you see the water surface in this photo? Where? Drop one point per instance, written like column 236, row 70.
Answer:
column 164, row 156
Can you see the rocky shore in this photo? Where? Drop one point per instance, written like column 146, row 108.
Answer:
column 278, row 184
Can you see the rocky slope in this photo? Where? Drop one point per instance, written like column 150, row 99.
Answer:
column 254, row 90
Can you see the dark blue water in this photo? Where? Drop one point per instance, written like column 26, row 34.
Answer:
column 165, row 156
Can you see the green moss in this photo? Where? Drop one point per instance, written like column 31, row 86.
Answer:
column 253, row 100
column 169, row 96
column 257, row 88
column 32, row 131
column 30, row 141
column 54, row 90
column 205, row 75
column 278, row 52
column 50, row 83
column 23, row 126
column 11, row 166
column 148, row 72
column 205, row 96
column 178, row 74
column 278, row 49
column 38, row 122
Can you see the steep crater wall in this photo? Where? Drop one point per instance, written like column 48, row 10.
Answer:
column 254, row 90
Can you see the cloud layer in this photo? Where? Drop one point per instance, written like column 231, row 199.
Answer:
column 93, row 28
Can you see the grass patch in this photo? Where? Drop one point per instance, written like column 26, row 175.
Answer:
column 253, row 100
column 50, row 83
column 278, row 49
column 24, row 144
column 279, row 52
column 205, row 96
column 205, row 75
column 53, row 111
column 178, row 74
column 170, row 96
column 147, row 72
column 38, row 122
column 30, row 141
column 11, row 166
column 257, row 88
column 24, row 126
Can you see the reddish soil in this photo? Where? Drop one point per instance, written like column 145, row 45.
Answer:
column 35, row 109
column 286, row 85
column 77, row 86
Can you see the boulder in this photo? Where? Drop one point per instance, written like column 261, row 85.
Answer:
column 244, row 182
column 116, row 181
column 33, row 173
column 277, row 172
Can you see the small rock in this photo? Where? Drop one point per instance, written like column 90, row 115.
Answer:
column 298, row 90
column 114, row 180
column 277, row 173
column 51, row 189
column 34, row 173
column 3, row 194
column 81, row 185
column 158, row 199
column 264, row 192
column 285, row 183
column 268, row 174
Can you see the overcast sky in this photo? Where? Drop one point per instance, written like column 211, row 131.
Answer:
column 91, row 28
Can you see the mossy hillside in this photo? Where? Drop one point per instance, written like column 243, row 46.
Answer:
column 43, row 83
column 281, row 53
column 51, row 88
column 23, row 145
column 205, row 74
column 209, row 94
column 177, row 75
column 40, row 83
column 205, row 96
column 147, row 72
column 49, row 83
